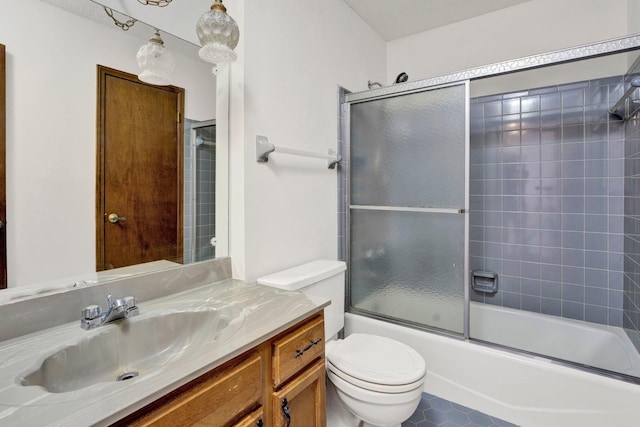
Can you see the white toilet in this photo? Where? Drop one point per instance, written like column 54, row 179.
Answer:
column 373, row 380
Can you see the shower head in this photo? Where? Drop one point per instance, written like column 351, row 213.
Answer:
column 202, row 141
column 402, row 77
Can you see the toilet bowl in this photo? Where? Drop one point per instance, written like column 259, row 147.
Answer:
column 373, row 381
column 377, row 379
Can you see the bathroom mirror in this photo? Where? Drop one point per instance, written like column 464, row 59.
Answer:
column 51, row 133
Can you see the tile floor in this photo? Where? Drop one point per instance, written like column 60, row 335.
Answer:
column 436, row 412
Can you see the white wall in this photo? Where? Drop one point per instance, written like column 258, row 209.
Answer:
column 530, row 28
column 293, row 56
column 51, row 132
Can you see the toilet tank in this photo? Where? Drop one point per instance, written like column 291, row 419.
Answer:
column 321, row 278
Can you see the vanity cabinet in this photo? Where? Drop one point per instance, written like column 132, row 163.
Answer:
column 217, row 398
column 298, row 397
column 249, row 390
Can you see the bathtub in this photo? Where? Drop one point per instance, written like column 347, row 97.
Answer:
column 590, row 344
column 522, row 389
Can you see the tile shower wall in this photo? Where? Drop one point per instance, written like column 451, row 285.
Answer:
column 547, row 199
column 205, row 199
column 188, row 193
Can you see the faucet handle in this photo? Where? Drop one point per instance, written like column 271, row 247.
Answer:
column 91, row 312
column 130, row 301
column 125, row 303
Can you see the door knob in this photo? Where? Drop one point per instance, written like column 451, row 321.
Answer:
column 114, row 218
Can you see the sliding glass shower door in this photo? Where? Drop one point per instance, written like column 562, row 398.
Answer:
column 408, row 204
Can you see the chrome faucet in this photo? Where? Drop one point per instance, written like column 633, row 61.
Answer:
column 93, row 316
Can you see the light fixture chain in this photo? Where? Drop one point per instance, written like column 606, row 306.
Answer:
column 122, row 25
column 159, row 3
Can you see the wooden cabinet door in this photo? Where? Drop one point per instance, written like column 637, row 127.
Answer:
column 305, row 400
column 216, row 401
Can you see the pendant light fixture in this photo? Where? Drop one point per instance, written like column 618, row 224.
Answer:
column 218, row 34
column 156, row 62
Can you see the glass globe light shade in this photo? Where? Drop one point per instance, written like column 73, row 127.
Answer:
column 218, row 34
column 156, row 62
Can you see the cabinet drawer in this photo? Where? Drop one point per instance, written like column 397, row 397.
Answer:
column 254, row 419
column 213, row 401
column 297, row 349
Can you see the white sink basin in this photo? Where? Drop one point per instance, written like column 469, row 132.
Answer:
column 133, row 348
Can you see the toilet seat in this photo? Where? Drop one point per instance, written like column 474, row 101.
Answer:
column 376, row 363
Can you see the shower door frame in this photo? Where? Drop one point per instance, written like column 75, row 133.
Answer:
column 345, row 151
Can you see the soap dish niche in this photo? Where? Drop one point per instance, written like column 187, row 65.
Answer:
column 484, row 281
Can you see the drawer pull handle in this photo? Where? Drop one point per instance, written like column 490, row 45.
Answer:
column 259, row 423
column 311, row 344
column 286, row 411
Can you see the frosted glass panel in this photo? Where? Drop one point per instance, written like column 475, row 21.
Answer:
column 409, row 266
column 409, row 150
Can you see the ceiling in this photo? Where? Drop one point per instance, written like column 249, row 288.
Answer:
column 393, row 19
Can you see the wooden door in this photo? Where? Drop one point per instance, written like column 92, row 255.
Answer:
column 303, row 399
column 139, row 171
column 3, row 157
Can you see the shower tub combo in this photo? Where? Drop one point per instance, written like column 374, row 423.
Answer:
column 542, row 173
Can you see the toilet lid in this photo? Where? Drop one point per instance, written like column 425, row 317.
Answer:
column 378, row 360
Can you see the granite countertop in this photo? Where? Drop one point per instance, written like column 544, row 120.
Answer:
column 254, row 313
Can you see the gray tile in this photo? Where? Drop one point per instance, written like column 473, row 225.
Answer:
column 573, row 169
column 552, row 221
column 511, row 300
column 551, row 306
column 573, row 310
column 597, row 223
column 550, row 238
column 596, row 186
column 596, row 205
column 596, row 241
column 550, row 101
column 572, row 240
column 597, row 260
column 551, row 290
column 615, row 317
column 595, row 314
column 573, row 204
column 573, row 222
column 551, row 134
column 596, row 168
column 530, row 153
column 511, row 106
column 596, row 296
column 596, row 278
column 550, row 255
column 551, row 273
column 573, row 187
column 530, row 136
column 573, row 257
column 511, row 137
column 530, row 103
column 531, row 303
column 551, row 170
column 531, row 170
column 573, row 275
column 493, row 108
